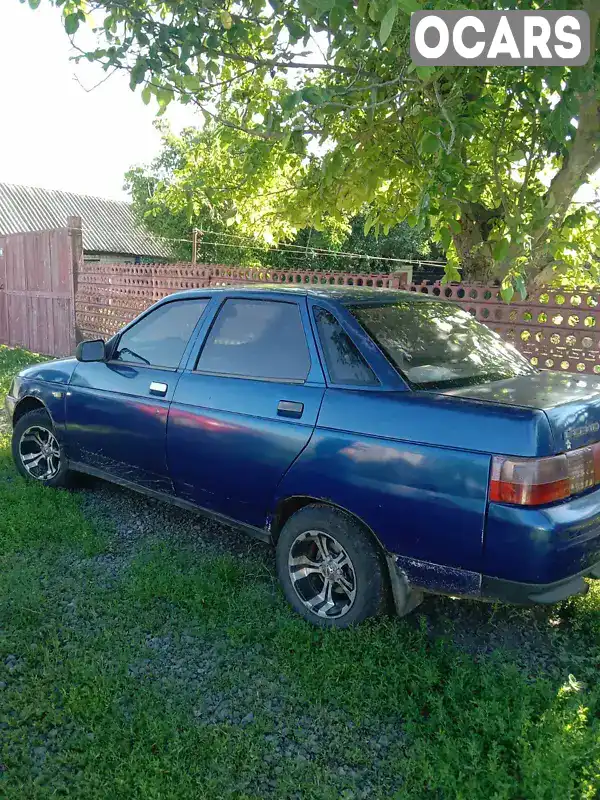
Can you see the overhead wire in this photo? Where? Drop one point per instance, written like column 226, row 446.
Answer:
column 325, row 251
column 300, row 253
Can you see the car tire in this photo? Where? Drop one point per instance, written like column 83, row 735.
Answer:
column 37, row 452
column 330, row 567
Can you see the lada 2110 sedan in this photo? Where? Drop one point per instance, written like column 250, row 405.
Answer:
column 385, row 442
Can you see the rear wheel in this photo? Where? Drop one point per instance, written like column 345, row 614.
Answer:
column 36, row 450
column 330, row 568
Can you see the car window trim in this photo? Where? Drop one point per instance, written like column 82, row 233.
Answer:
column 116, row 362
column 119, row 335
column 296, row 381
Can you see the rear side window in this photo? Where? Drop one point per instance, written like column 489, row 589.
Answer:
column 437, row 345
column 257, row 339
column 344, row 362
column 160, row 337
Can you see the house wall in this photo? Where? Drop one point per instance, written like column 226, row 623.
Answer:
column 91, row 257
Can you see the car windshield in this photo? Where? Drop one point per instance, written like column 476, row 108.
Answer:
column 436, row 345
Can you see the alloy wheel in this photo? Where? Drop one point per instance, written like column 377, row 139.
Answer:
column 39, row 452
column 322, row 574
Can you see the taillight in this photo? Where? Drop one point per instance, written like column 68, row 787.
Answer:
column 537, row 481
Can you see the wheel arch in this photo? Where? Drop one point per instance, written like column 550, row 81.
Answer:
column 288, row 506
column 27, row 404
column 404, row 597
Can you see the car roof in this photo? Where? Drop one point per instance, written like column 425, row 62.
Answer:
column 346, row 295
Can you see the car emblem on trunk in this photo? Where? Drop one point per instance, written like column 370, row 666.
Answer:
column 576, row 433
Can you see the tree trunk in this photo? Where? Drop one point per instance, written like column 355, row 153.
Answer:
column 472, row 246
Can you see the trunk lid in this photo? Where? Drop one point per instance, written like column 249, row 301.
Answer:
column 571, row 404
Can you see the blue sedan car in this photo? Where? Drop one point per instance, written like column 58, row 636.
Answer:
column 385, row 442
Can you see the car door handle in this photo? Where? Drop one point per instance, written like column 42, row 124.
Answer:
column 287, row 408
column 158, row 388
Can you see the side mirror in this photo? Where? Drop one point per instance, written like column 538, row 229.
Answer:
column 91, row 350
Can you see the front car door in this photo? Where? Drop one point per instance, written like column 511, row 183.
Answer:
column 246, row 407
column 117, row 410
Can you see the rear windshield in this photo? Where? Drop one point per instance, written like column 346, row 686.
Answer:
column 436, row 345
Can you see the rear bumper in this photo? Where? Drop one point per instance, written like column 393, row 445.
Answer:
column 542, row 546
column 530, row 555
column 440, row 579
column 499, row 589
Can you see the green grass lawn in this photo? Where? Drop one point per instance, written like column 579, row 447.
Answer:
column 160, row 671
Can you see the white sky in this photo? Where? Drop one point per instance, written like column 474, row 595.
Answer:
column 54, row 134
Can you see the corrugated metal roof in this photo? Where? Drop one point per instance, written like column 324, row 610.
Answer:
column 109, row 226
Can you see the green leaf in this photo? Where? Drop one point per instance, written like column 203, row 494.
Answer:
column 212, row 41
column 191, row 83
column 323, row 5
column 521, row 288
column 226, row 20
column 312, row 95
column 146, row 95
column 454, row 225
column 424, row 72
column 516, row 155
column 554, row 77
column 432, row 124
column 138, row 73
column 290, row 101
column 296, row 30
column 34, row 3
column 560, row 121
column 500, row 250
column 451, row 274
column 412, row 220
column 337, row 16
column 164, row 97
column 375, row 11
column 445, row 238
column 409, row 6
column 362, row 7
column 71, row 23
column 507, row 293
column 430, row 143
column 387, row 23
column 369, row 222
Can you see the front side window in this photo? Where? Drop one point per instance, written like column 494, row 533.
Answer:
column 160, row 338
column 437, row 345
column 257, row 339
column 345, row 364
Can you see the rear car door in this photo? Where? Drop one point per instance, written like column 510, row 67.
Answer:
column 246, row 408
column 117, row 410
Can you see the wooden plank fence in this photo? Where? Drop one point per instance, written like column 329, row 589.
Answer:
column 37, row 308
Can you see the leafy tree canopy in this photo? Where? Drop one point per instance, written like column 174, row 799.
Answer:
column 200, row 180
column 490, row 158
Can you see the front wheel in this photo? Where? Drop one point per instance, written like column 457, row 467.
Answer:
column 37, row 452
column 330, row 568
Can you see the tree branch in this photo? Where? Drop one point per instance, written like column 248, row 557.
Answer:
column 496, row 148
column 450, row 145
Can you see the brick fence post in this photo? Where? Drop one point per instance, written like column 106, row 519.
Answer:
column 400, row 280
